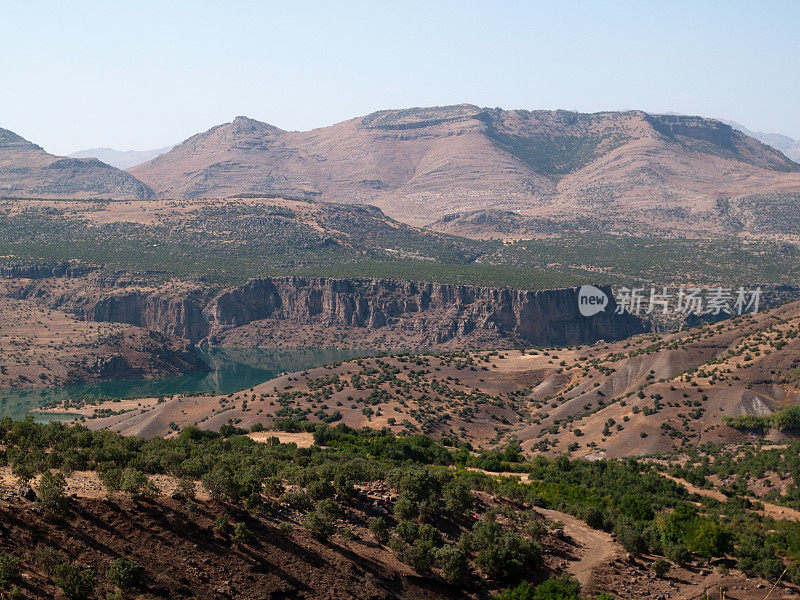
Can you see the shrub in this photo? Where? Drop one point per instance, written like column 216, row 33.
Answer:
column 222, row 524
column 678, row 553
column 320, row 489
column 296, row 500
column 48, row 558
column 408, row 531
column 344, row 486
column 285, row 528
column 420, row 494
column 329, row 509
column 787, row 419
column 554, row 588
column 661, row 567
column 404, row 508
column 9, row 569
column 452, row 562
column 74, row 582
column 457, row 497
column 380, row 529
column 137, row 484
column 242, row 535
column 124, row 574
column 318, row 525
column 524, row 591
column 710, row 539
column 110, row 475
column 594, row 517
column 503, row 555
column 185, row 490
column 421, row 555
column 630, row 539
column 558, row 588
column 51, row 494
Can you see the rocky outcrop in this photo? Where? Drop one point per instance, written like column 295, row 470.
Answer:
column 439, row 312
column 171, row 314
column 44, row 270
column 171, row 308
column 429, row 314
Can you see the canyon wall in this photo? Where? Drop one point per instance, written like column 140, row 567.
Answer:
column 422, row 314
column 439, row 313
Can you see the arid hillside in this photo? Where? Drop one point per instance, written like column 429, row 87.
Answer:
column 27, row 171
column 418, row 165
column 44, row 347
column 651, row 393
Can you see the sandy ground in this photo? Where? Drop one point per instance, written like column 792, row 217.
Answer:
column 87, row 484
column 770, row 510
column 302, row 439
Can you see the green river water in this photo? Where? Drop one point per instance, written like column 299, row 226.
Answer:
column 232, row 369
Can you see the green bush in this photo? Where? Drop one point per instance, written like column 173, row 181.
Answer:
column 137, row 484
column 320, row 489
column 318, row 525
column 558, row 588
column 48, row 558
column 185, row 490
column 453, row 563
column 124, row 574
column 554, row 588
column 502, row 555
column 242, row 535
column 51, row 494
column 405, row 508
column 421, row 555
column 330, row 509
column 457, row 497
column 678, row 553
column 222, row 524
column 710, row 539
column 660, row 567
column 76, row 583
column 9, row 569
column 380, row 529
column 630, row 538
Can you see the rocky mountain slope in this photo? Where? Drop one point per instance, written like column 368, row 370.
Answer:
column 622, row 169
column 324, row 312
column 27, row 171
column 790, row 147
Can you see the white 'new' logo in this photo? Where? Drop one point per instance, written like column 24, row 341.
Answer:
column 591, row 300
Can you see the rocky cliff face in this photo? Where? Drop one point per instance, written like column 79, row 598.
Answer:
column 439, row 313
column 44, row 271
column 418, row 314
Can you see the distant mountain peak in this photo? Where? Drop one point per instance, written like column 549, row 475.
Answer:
column 419, row 164
column 790, row 147
column 243, row 124
column 26, row 171
column 121, row 159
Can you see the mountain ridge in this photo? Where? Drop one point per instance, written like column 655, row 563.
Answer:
column 28, row 171
column 121, row 159
column 789, row 146
column 421, row 164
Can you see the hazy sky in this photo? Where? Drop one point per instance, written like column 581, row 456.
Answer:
column 140, row 75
